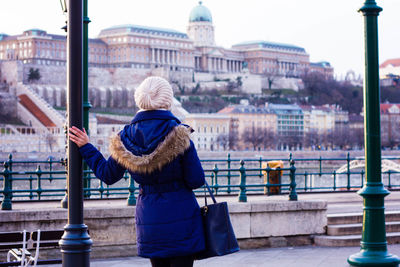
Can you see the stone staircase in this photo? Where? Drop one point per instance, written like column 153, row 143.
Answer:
column 36, row 109
column 344, row 230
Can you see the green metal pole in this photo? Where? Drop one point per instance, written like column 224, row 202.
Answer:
column 373, row 243
column 86, row 103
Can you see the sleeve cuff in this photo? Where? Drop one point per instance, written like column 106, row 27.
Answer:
column 85, row 148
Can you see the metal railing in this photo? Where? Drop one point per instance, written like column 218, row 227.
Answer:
column 46, row 180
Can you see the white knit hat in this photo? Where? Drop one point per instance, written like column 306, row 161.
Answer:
column 154, row 93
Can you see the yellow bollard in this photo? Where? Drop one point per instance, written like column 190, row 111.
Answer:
column 274, row 177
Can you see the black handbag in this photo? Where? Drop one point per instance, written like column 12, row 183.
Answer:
column 219, row 236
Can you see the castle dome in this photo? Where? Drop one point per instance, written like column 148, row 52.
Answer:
column 200, row 13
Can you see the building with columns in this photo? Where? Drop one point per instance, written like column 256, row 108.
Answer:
column 142, row 47
column 152, row 48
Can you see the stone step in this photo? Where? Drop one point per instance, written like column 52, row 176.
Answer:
column 356, row 228
column 352, row 218
column 350, row 240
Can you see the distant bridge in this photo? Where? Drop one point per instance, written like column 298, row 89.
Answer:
column 360, row 163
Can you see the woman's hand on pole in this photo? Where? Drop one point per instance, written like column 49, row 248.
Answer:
column 80, row 138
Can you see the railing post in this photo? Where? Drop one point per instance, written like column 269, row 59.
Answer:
column 101, row 189
column 7, row 191
column 292, row 187
column 39, row 182
column 229, row 173
column 50, row 169
column 320, row 166
column 348, row 171
column 242, row 194
column 373, row 241
column 64, row 201
column 108, row 191
column 215, row 171
column 268, row 187
column 131, row 198
column 305, row 181
column 334, row 180
column 30, row 187
column 10, row 168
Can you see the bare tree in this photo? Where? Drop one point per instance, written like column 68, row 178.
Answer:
column 313, row 139
column 233, row 140
column 270, row 140
column 341, row 137
column 223, row 140
column 357, row 138
column 254, row 136
column 271, row 75
column 50, row 141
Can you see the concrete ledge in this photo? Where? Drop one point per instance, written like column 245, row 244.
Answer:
column 112, row 228
column 278, row 218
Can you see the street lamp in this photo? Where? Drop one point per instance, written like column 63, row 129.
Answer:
column 63, row 4
column 75, row 243
column 373, row 242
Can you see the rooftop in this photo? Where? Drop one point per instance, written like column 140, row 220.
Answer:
column 395, row 62
column 200, row 13
column 387, row 108
column 240, row 109
column 126, row 28
column 270, row 45
column 321, row 64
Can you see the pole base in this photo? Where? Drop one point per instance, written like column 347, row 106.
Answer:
column 75, row 246
column 373, row 259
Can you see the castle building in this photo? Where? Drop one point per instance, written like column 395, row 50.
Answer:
column 151, row 48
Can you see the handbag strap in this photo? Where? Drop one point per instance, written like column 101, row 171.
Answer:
column 210, row 192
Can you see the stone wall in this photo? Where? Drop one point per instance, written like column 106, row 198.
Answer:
column 11, row 71
column 8, row 105
column 111, row 227
column 50, row 74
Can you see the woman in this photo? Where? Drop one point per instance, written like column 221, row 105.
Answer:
column 157, row 151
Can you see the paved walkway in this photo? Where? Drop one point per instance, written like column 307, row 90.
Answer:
column 308, row 256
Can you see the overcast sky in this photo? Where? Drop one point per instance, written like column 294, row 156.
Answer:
column 328, row 30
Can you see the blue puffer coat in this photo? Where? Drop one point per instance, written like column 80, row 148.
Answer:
column 156, row 149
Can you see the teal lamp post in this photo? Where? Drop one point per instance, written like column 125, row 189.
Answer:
column 86, row 103
column 373, row 243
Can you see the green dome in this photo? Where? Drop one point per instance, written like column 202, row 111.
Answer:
column 200, row 13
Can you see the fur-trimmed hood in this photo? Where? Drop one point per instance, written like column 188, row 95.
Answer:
column 154, row 139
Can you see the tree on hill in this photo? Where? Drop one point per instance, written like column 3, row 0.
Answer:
column 34, row 75
column 271, row 75
column 319, row 90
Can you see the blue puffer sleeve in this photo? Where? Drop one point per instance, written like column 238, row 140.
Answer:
column 109, row 171
column 192, row 169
